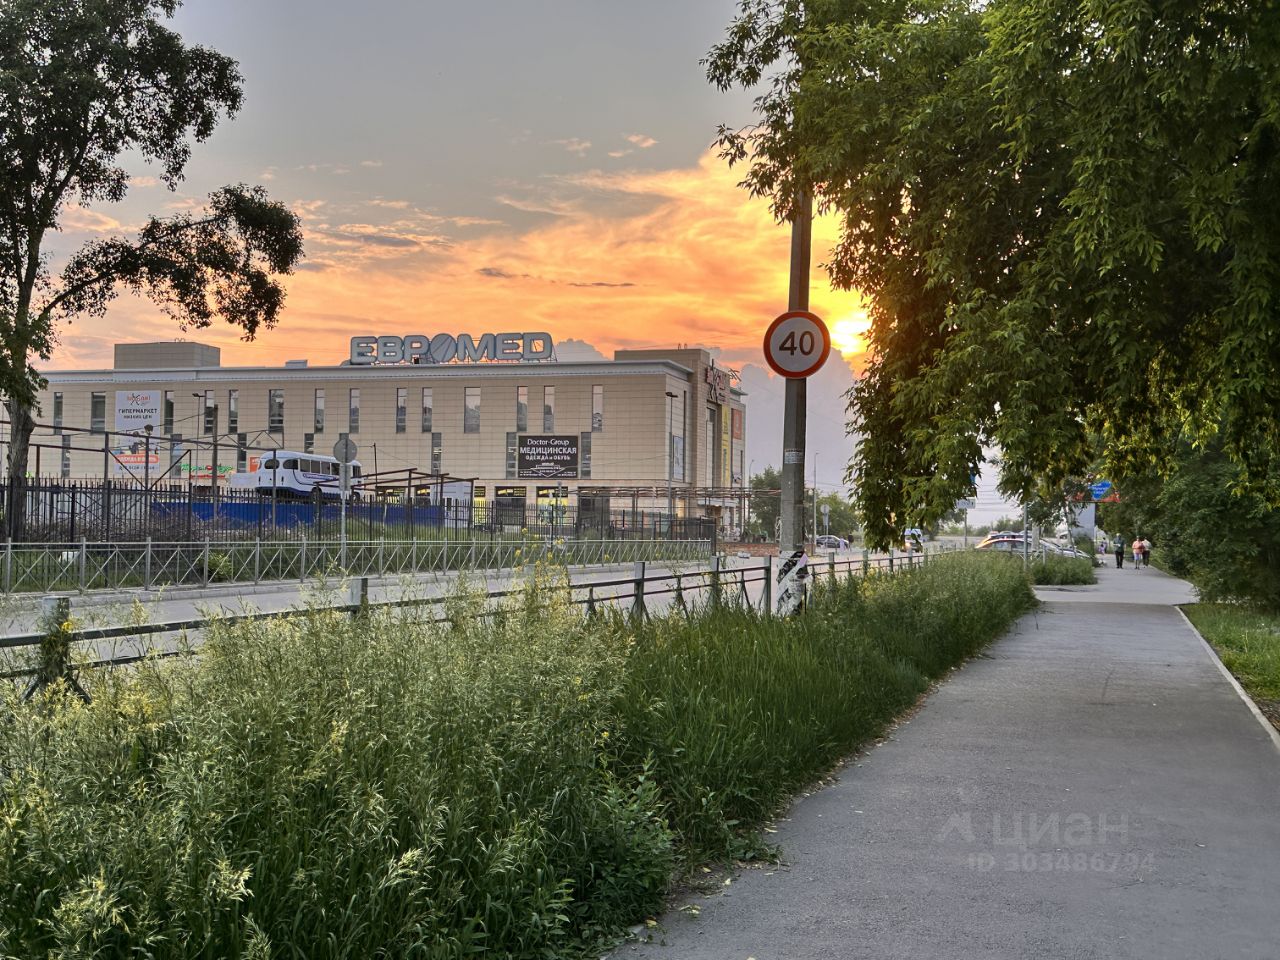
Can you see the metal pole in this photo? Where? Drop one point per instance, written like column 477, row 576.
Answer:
column 671, row 460
column 1026, row 542
column 815, row 494
column 794, row 416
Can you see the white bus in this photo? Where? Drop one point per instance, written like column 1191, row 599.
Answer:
column 289, row 473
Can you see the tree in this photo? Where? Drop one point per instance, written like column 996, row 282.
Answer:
column 766, row 502
column 1061, row 213
column 82, row 82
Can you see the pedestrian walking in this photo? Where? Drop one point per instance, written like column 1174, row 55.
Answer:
column 1146, row 552
column 1117, row 545
column 1137, row 552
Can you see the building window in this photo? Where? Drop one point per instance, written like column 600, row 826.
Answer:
column 548, row 409
column 242, row 452
column 66, row 456
column 210, row 411
column 275, row 411
column 402, row 408
column 167, row 428
column 57, row 413
column 426, row 409
column 513, row 450
column 308, row 443
column 318, row 422
column 233, row 411
column 437, row 453
column 522, row 409
column 353, row 411
column 471, row 412
column 584, row 457
column 98, row 412
column 597, row 408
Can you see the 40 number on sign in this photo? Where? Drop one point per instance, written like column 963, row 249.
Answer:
column 797, row 344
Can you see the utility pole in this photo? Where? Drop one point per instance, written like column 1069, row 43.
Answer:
column 795, row 404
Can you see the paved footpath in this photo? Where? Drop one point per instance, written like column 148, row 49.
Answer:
column 1091, row 787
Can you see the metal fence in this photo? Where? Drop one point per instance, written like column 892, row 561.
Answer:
column 641, row 594
column 46, row 567
column 68, row 512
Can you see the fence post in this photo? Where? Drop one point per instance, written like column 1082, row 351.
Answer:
column 8, row 565
column 257, row 561
column 891, row 553
column 766, row 600
column 55, row 648
column 637, row 605
column 302, row 561
column 715, row 580
column 146, row 567
column 831, row 563
column 82, row 562
column 359, row 595
column 382, row 557
column 866, row 561
column 204, row 564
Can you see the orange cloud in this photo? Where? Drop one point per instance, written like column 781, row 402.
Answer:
column 634, row 258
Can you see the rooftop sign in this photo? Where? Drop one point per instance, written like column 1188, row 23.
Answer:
column 447, row 348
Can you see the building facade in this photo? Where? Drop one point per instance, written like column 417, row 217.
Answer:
column 620, row 431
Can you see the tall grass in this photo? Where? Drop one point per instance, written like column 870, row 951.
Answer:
column 510, row 785
column 1056, row 570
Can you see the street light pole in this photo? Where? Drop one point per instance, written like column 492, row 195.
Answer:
column 671, row 460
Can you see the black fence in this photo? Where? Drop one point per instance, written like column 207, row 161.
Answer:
column 128, row 512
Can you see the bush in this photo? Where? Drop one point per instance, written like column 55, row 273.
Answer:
column 1053, row 570
column 382, row 786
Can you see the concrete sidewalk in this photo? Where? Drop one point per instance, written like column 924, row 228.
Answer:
column 1091, row 787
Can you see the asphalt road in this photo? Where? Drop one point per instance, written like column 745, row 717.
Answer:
column 742, row 577
column 1091, row 787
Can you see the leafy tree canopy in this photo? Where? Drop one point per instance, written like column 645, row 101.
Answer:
column 1062, row 212
column 83, row 82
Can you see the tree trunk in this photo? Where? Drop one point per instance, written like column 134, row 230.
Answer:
column 21, row 426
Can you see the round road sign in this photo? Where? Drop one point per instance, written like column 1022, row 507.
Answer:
column 344, row 451
column 797, row 344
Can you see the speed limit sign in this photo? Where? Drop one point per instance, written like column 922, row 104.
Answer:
column 797, row 344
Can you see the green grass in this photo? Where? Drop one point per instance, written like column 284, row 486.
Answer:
column 519, row 784
column 1247, row 640
column 1063, row 571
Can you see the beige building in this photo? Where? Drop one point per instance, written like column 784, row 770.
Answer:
column 621, row 429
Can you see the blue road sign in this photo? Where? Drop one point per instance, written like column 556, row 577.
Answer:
column 1099, row 489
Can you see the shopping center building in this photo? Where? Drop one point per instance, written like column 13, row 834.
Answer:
column 498, row 409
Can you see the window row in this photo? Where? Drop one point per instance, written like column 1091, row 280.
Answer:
column 209, row 413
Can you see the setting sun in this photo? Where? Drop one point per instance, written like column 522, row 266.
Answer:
column 847, row 333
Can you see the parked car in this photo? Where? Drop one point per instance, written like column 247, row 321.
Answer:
column 830, row 542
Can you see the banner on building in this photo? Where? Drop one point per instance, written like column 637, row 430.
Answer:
column 135, row 409
column 547, row 457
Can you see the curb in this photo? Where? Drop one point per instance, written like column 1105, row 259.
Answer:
column 1244, row 695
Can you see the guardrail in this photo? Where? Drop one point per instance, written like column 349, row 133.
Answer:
column 720, row 583
column 45, row 568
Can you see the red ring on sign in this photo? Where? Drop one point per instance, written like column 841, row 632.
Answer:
column 822, row 358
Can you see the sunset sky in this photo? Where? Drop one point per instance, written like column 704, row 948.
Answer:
column 499, row 166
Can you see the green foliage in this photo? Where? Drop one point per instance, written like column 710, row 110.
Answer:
column 1053, row 570
column 766, row 502
column 381, row 786
column 1247, row 640
column 1208, row 524
column 1052, row 255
